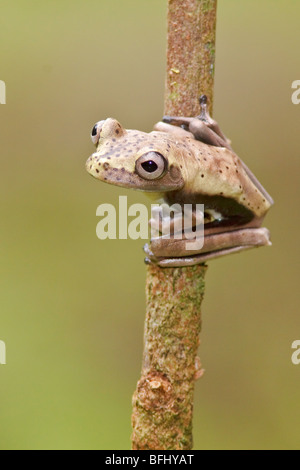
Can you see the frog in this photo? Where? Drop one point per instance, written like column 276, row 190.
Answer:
column 186, row 160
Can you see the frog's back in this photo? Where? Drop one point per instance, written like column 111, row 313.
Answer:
column 216, row 171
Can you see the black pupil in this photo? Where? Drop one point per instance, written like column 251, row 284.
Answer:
column 150, row 166
column 94, row 131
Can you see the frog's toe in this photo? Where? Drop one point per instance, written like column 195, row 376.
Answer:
column 147, row 250
column 150, row 257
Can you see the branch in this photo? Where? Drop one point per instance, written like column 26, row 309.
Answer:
column 190, row 55
column 163, row 401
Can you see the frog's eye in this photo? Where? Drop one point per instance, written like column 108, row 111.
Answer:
column 95, row 134
column 151, row 166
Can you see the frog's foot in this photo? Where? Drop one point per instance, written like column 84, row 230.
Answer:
column 202, row 127
column 175, row 253
column 211, row 124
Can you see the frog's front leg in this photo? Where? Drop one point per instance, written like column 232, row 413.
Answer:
column 170, row 252
column 174, row 130
column 202, row 127
column 197, row 129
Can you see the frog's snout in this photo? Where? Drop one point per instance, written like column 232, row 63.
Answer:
column 89, row 163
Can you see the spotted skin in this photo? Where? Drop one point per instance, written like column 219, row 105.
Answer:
column 195, row 173
column 193, row 166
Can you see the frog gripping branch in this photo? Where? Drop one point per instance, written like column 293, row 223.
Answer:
column 187, row 160
column 189, row 164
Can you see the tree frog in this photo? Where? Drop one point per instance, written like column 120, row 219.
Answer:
column 187, row 161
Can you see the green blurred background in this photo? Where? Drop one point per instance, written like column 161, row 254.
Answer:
column 72, row 306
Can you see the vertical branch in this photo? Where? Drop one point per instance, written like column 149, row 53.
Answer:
column 163, row 401
column 190, row 55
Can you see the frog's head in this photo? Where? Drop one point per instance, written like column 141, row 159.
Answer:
column 133, row 159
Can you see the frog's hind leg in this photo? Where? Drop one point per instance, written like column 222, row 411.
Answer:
column 194, row 260
column 167, row 252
